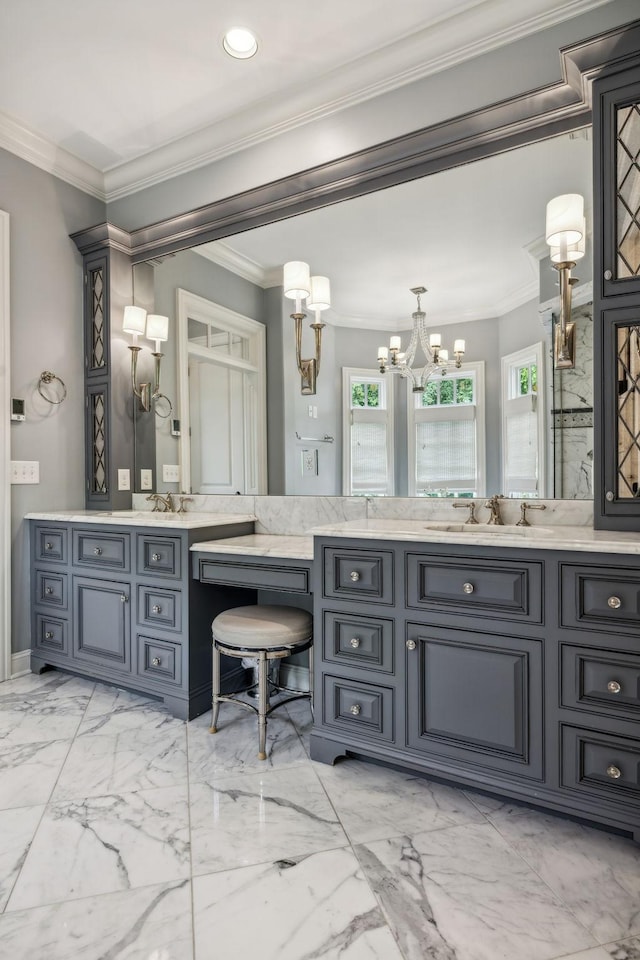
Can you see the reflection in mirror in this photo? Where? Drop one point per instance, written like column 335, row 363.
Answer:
column 474, row 236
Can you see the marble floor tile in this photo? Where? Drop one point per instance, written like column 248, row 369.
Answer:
column 319, row 906
column 124, row 762
column 103, row 844
column 256, row 818
column 597, row 874
column 150, row 923
column 374, row 803
column 51, row 683
column 28, row 771
column 43, row 718
column 17, row 828
column 234, row 748
column 112, row 710
column 462, row 893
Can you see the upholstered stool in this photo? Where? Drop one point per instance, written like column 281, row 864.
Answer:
column 266, row 633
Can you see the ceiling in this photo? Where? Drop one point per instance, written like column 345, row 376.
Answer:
column 131, row 91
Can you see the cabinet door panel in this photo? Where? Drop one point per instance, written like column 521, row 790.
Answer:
column 476, row 698
column 101, row 622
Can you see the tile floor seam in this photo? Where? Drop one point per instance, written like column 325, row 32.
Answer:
column 191, row 874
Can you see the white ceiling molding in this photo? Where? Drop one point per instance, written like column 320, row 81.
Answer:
column 17, row 139
column 225, row 256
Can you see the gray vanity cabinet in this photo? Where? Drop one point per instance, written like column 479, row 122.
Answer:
column 510, row 670
column 118, row 604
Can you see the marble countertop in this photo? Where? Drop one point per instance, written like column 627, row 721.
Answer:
column 261, row 545
column 540, row 537
column 144, row 518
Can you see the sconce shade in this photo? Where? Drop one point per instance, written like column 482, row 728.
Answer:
column 565, row 220
column 134, row 320
column 383, row 353
column 296, row 280
column 458, row 346
column 157, row 327
column 575, row 251
column 395, row 343
column 320, row 295
column 444, row 356
column 435, row 340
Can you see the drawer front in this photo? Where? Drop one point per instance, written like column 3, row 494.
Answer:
column 160, row 660
column 365, row 643
column 256, row 576
column 505, row 589
column 51, row 589
column 358, row 574
column 161, row 609
column 51, row 634
column 358, row 709
column 602, row 601
column 600, row 681
column 159, row 556
column 601, row 764
column 50, row 544
column 101, row 551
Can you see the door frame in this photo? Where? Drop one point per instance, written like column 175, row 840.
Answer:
column 5, row 454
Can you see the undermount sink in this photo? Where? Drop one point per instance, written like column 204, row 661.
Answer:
column 482, row 529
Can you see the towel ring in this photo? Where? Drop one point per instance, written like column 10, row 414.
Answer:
column 164, row 416
column 46, row 377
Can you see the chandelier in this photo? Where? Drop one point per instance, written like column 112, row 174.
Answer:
column 396, row 360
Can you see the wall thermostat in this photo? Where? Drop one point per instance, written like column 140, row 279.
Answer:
column 17, row 409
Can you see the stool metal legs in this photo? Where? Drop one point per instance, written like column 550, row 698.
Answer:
column 263, row 704
column 215, row 687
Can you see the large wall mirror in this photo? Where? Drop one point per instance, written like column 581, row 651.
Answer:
column 474, row 237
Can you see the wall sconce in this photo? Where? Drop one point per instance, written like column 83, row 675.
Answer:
column 299, row 286
column 154, row 327
column 566, row 235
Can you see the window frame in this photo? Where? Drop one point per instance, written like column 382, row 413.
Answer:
column 386, row 414
column 509, row 365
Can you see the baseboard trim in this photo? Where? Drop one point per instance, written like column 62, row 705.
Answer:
column 20, row 663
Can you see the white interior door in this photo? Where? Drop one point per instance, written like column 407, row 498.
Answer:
column 5, row 455
column 217, row 428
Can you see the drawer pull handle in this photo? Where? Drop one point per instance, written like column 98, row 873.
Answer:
column 355, row 576
column 356, row 710
column 156, row 608
column 98, row 551
column 355, row 642
column 614, row 687
column 48, row 635
column 467, row 588
column 411, row 644
column 614, row 772
column 155, row 557
column 48, row 546
column 124, row 598
column 615, row 603
column 48, row 591
column 156, row 661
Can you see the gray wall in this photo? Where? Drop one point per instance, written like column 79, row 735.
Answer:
column 46, row 334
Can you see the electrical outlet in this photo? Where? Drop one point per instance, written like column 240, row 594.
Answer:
column 310, row 410
column 25, row 471
column 315, row 413
column 124, row 480
column 170, row 473
column 146, row 479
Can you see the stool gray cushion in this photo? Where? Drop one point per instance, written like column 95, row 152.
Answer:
column 262, row 626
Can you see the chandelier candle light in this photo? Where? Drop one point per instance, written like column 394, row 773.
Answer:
column 299, row 286
column 436, row 358
column 565, row 233
column 154, row 327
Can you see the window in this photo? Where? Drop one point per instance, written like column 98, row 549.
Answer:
column 523, row 453
column 367, row 433
column 446, row 435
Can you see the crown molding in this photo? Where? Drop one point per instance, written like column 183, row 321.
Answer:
column 226, row 256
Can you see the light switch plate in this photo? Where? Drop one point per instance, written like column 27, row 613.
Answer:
column 146, row 479
column 25, row 471
column 124, row 480
column 170, row 473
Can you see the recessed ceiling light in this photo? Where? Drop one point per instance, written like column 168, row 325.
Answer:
column 240, row 43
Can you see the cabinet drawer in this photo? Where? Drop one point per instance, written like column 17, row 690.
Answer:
column 51, row 634
column 360, row 709
column 160, row 660
column 102, row 551
column 599, row 600
column 358, row 574
column 161, row 609
column 601, row 764
column 506, row 589
column 600, row 681
column 255, row 576
column 50, row 544
column 51, row 589
column 362, row 642
column 159, row 556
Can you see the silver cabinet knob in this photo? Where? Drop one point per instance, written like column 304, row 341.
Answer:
column 355, row 642
column 355, row 576
column 411, row 644
column 48, row 591
column 156, row 608
column 48, row 635
column 608, row 275
column 155, row 557
column 97, row 551
column 124, row 598
column 356, row 709
column 156, row 661
column 467, row 588
column 615, row 603
column 614, row 772
column 48, row 546
column 614, row 687
column 609, row 496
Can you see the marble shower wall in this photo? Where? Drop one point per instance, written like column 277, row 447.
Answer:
column 572, row 415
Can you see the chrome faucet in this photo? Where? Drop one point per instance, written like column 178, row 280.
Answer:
column 493, row 504
column 166, row 501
